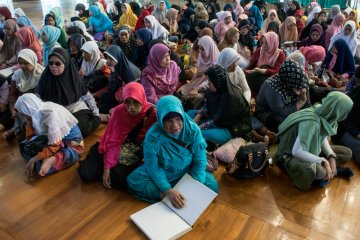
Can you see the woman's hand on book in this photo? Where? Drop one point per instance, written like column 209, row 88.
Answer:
column 176, row 198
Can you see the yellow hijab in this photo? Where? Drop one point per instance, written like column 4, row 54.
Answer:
column 128, row 18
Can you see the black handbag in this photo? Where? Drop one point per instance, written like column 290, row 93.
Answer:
column 29, row 149
column 250, row 161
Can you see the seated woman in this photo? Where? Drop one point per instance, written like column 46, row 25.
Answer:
column 265, row 62
column 349, row 130
column 74, row 44
column 160, row 12
column 224, row 24
column 156, row 29
column 83, row 12
column 5, row 115
column 161, row 76
column 141, row 53
column 49, row 36
column 82, row 27
column 282, row 94
column 126, row 40
column 312, row 55
column 23, row 21
column 304, row 136
column 99, row 23
column 334, row 28
column 172, row 24
column 61, row 83
column 122, row 71
column 231, row 39
column 288, row 30
column 225, row 108
column 165, row 160
column 11, row 46
column 348, row 34
column 50, row 21
column 316, row 37
column 339, row 61
column 28, row 40
column 94, row 72
column 272, row 17
column 141, row 20
column 246, row 41
column 24, row 80
column 300, row 23
column 134, row 111
column 128, row 18
column 64, row 141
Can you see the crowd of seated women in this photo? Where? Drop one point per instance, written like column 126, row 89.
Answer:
column 171, row 79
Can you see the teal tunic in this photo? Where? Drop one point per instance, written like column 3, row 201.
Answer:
column 165, row 161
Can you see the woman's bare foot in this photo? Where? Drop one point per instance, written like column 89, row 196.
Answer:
column 46, row 165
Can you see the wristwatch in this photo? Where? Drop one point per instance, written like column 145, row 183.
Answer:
column 331, row 155
column 323, row 162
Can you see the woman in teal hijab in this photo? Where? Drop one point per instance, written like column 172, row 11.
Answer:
column 304, row 136
column 49, row 36
column 165, row 159
column 98, row 21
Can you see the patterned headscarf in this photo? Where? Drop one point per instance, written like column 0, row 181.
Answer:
column 217, row 76
column 291, row 76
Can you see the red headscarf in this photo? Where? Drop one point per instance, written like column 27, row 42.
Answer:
column 5, row 12
column 121, row 123
column 28, row 40
column 140, row 22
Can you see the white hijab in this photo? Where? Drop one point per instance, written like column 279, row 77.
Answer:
column 88, row 67
column 156, row 29
column 48, row 118
column 82, row 26
column 19, row 12
column 316, row 10
column 350, row 39
column 28, row 81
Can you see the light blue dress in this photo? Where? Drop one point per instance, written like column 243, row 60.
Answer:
column 166, row 161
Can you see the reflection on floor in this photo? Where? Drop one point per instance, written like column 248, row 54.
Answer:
column 61, row 206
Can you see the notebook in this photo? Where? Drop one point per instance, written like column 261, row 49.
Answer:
column 7, row 72
column 162, row 221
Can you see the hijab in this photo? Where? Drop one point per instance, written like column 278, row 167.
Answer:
column 313, row 53
column 270, row 56
column 201, row 12
column 124, row 68
column 11, row 43
column 227, row 57
column 351, row 39
column 335, row 27
column 59, row 20
column 221, row 28
column 50, row 119
column 64, row 89
column 82, row 26
column 268, row 20
column 116, row 133
column 344, row 60
column 92, row 48
column 291, row 76
column 285, row 34
column 129, row 47
column 165, row 79
column 140, row 22
column 314, row 11
column 28, row 40
column 335, row 10
column 321, row 41
column 78, row 40
column 141, row 52
column 273, row 27
column 171, row 21
column 159, row 15
column 229, row 7
column 129, row 18
column 254, row 12
column 157, row 30
column 225, row 107
column 53, row 34
column 290, row 12
column 227, row 41
column 28, row 81
column 24, row 21
column 4, row 11
column 211, row 53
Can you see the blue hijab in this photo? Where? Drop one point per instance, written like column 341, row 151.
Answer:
column 190, row 134
column 142, row 52
column 344, row 62
column 254, row 12
column 99, row 21
column 53, row 34
column 25, row 21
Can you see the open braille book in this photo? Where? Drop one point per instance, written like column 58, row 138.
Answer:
column 163, row 221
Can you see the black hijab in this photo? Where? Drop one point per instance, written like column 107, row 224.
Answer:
column 65, row 89
column 227, row 105
column 292, row 12
column 79, row 40
column 142, row 52
column 246, row 40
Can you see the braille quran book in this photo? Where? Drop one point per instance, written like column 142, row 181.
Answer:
column 162, row 221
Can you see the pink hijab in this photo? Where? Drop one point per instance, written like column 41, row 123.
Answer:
column 221, row 28
column 334, row 28
column 270, row 56
column 211, row 51
column 313, row 54
column 165, row 79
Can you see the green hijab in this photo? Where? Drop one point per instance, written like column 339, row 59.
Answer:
column 317, row 122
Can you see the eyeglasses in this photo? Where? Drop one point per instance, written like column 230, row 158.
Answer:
column 58, row 64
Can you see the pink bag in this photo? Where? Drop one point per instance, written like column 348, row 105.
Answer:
column 227, row 152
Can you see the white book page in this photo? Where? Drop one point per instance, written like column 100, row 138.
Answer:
column 159, row 222
column 6, row 72
column 197, row 198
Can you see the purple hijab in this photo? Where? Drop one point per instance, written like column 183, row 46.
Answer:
column 321, row 41
column 166, row 79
